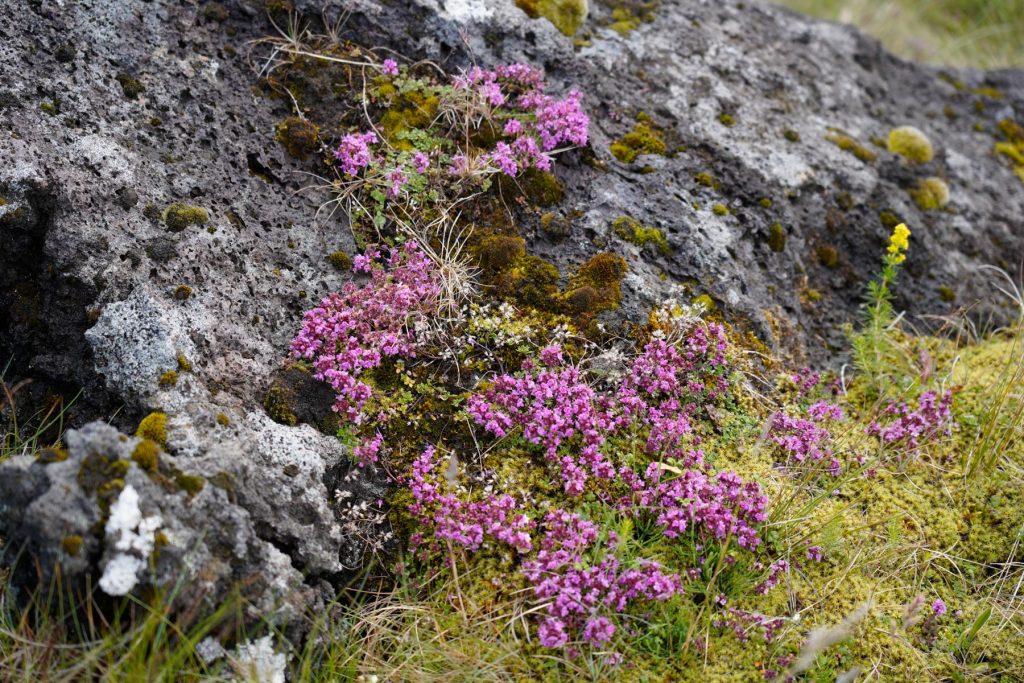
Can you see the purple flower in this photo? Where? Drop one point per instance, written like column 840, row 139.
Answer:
column 390, row 67
column 938, row 607
column 397, row 179
column 513, row 127
column 814, row 553
column 354, row 153
column 352, row 331
column 552, row 633
column 421, row 162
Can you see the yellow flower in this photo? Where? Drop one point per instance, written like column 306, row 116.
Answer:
column 898, row 243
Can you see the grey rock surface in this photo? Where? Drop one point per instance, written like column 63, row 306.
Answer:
column 112, row 110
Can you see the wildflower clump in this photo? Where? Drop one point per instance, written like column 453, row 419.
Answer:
column 455, row 137
column 354, row 330
column 903, row 431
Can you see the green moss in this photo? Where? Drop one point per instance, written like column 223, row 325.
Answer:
column 631, row 230
column 889, row 219
column 930, row 193
column 643, row 139
column 223, row 420
column 603, row 274
column 1013, row 147
column 947, row 294
column 777, row 237
column 705, row 302
column 214, row 11
column 340, row 260
column 184, row 364
column 990, row 93
column 72, row 545
column 911, row 144
column 827, row 256
column 179, row 216
column 50, row 108
column 415, row 110
column 189, row 483
column 298, row 136
column 100, row 474
column 50, row 455
column 497, row 253
column 720, row 210
column 765, row 202
column 791, row 135
column 152, row 212
column 849, row 144
column 147, row 455
column 532, row 282
column 130, row 86
column 727, row 120
column 707, row 180
column 154, row 428
column 541, row 187
column 168, row 379
column 277, row 403
column 844, row 200
column 566, row 15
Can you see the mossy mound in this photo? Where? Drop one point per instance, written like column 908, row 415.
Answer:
column 298, row 136
column 930, row 193
column 645, row 138
column 179, row 216
column 566, row 15
column 850, row 144
column 154, row 428
column 911, row 144
column 631, row 230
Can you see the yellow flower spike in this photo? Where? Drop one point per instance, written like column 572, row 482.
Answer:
column 898, row 243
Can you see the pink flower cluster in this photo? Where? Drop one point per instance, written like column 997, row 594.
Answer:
column 581, row 594
column 743, row 623
column 469, row 524
column 907, row 429
column 808, row 438
column 665, row 384
column 352, row 331
column 551, row 404
column 536, row 123
column 710, row 507
column 353, row 153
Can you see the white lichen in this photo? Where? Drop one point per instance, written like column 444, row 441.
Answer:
column 133, row 537
column 256, row 661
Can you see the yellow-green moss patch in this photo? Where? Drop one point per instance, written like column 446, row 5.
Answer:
column 930, row 193
column 72, row 545
column 298, row 136
column 632, row 230
column 851, row 145
column 154, row 428
column 566, row 15
column 179, row 216
column 643, row 139
column 911, row 144
column 147, row 455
